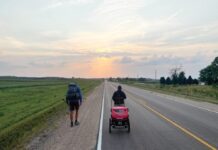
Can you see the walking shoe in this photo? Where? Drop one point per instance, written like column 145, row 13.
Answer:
column 71, row 124
column 76, row 123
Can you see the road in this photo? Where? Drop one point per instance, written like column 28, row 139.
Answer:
column 159, row 123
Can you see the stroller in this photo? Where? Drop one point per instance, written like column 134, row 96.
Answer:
column 119, row 117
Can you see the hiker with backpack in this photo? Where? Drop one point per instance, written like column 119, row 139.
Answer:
column 74, row 100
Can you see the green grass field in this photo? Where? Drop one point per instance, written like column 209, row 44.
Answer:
column 196, row 92
column 27, row 103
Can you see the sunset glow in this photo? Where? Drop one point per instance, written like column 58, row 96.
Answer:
column 88, row 38
column 103, row 67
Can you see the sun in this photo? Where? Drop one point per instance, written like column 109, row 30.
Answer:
column 103, row 67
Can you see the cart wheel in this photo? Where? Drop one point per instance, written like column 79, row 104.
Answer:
column 128, row 126
column 109, row 125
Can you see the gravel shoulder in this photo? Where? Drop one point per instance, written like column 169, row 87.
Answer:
column 83, row 137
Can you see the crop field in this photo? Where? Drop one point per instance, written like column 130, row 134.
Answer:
column 25, row 103
column 195, row 92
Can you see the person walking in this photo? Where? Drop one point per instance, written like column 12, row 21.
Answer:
column 74, row 100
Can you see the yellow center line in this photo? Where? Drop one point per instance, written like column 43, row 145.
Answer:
column 177, row 125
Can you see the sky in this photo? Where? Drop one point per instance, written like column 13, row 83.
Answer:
column 107, row 38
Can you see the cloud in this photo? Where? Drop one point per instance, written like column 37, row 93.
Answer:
column 174, row 15
column 119, row 17
column 52, row 34
column 54, row 5
column 113, row 7
column 41, row 64
column 59, row 3
column 6, row 66
column 134, row 33
column 163, row 60
column 125, row 60
column 3, row 24
column 11, row 42
column 170, row 59
column 3, row 64
column 195, row 34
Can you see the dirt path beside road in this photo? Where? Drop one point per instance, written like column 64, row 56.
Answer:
column 82, row 137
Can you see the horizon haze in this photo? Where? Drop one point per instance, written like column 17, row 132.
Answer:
column 106, row 38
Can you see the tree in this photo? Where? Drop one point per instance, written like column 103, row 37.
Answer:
column 210, row 73
column 168, row 81
column 174, row 74
column 174, row 79
column 141, row 79
column 182, row 78
column 118, row 79
column 162, row 80
column 190, row 80
column 195, row 81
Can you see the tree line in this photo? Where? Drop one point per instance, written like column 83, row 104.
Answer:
column 208, row 75
column 179, row 78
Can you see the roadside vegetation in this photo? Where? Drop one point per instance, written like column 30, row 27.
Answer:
column 27, row 104
column 203, row 89
column 208, row 75
column 205, row 93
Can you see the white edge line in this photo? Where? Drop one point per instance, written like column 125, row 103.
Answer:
column 182, row 101
column 195, row 106
column 101, row 124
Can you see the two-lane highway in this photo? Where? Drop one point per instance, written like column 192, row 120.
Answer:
column 158, row 123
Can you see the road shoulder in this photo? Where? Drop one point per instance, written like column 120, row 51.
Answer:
column 81, row 137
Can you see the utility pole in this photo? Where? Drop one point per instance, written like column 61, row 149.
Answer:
column 155, row 75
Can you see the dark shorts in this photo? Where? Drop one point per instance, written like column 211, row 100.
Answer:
column 73, row 106
column 119, row 104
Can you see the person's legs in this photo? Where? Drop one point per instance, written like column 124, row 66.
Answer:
column 71, row 114
column 77, row 114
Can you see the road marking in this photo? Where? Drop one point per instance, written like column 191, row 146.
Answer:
column 192, row 105
column 101, row 124
column 177, row 125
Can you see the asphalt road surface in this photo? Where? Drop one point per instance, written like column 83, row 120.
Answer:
column 158, row 123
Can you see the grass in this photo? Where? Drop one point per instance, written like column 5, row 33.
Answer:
column 27, row 103
column 196, row 92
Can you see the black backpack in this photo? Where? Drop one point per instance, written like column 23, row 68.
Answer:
column 119, row 97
